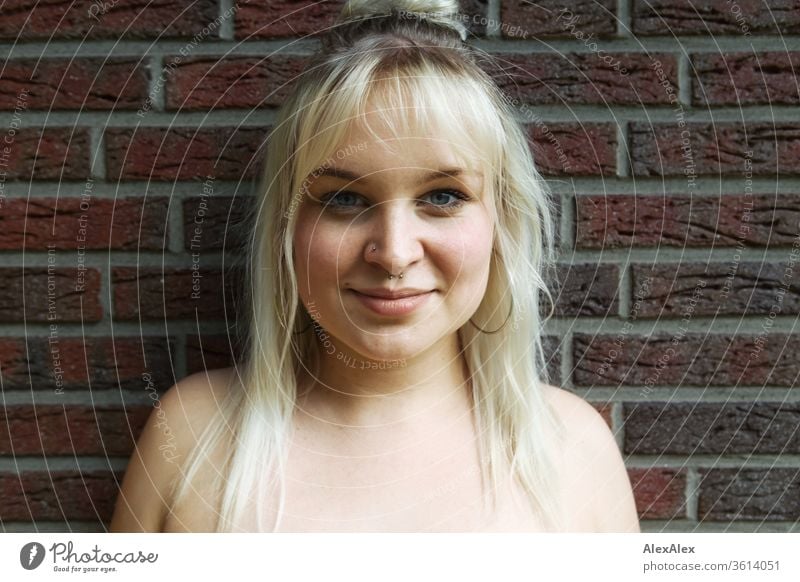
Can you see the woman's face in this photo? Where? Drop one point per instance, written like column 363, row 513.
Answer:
column 434, row 228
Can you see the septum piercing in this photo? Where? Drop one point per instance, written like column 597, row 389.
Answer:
column 374, row 248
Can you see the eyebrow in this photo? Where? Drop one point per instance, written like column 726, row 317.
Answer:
column 425, row 178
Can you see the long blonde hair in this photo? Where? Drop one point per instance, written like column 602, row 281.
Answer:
column 410, row 59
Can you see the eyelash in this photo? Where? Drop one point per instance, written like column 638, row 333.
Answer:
column 461, row 198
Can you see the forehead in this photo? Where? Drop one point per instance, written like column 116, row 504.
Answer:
column 377, row 141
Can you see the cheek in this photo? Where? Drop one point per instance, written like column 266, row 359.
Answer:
column 317, row 252
column 466, row 251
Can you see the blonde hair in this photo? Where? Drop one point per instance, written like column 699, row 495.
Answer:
column 408, row 58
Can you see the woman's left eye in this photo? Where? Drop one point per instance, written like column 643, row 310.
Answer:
column 457, row 202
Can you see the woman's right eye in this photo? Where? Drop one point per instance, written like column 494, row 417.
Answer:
column 341, row 199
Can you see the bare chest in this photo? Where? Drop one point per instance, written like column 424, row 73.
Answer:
column 331, row 486
column 391, row 486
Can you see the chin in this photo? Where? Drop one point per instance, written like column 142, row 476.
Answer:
column 389, row 345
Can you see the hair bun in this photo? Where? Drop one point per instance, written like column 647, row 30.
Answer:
column 445, row 13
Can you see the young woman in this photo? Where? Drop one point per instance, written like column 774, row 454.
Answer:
column 393, row 378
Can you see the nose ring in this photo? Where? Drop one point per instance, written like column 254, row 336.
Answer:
column 374, row 248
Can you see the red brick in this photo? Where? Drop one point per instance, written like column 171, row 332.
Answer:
column 95, row 363
column 32, row 19
column 299, row 18
column 659, row 492
column 714, row 17
column 604, row 409
column 585, row 149
column 696, row 360
column 656, row 428
column 124, row 223
column 55, row 153
column 553, row 18
column 183, row 153
column 73, row 84
column 688, row 289
column 284, row 18
column 715, row 148
column 619, row 220
column 58, row 495
column 71, row 430
column 584, row 289
column 26, row 295
column 749, row 495
column 210, row 352
column 582, row 78
column 768, row 78
column 244, row 82
column 213, row 223
column 153, row 293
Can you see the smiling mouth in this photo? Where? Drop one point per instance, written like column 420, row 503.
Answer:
column 393, row 306
column 391, row 295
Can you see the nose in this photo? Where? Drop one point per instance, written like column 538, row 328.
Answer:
column 393, row 232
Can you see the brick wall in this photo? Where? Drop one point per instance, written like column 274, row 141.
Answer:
column 670, row 135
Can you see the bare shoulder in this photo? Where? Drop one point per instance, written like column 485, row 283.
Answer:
column 170, row 434
column 595, row 478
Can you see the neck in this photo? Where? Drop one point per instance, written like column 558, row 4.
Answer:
column 413, row 393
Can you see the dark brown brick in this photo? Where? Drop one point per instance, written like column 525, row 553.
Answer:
column 300, row 18
column 584, row 289
column 710, row 428
column 749, row 494
column 720, row 148
column 714, row 17
column 284, row 18
column 32, row 19
column 58, row 495
column 768, row 78
column 55, row 153
column 64, row 295
column 184, row 153
column 73, row 84
column 687, row 290
column 96, row 363
column 582, row 78
column 553, row 18
column 659, row 492
column 124, row 223
column 210, row 352
column 677, row 220
column 70, row 430
column 217, row 83
column 695, row 360
column 153, row 293
column 576, row 149
column 217, row 223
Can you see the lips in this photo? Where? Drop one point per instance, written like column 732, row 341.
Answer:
column 391, row 294
column 406, row 303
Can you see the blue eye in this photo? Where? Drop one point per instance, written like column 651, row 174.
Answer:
column 344, row 200
column 334, row 199
column 458, row 201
